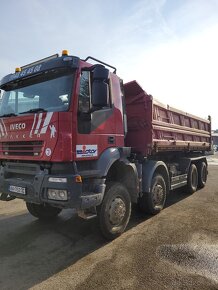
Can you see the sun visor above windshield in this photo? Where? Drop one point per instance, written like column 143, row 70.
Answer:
column 38, row 68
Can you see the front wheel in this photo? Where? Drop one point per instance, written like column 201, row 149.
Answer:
column 41, row 211
column 115, row 210
column 153, row 202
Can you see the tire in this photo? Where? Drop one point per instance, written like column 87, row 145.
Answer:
column 115, row 210
column 192, row 182
column 153, row 202
column 42, row 212
column 202, row 174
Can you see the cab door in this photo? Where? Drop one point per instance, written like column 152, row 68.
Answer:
column 95, row 117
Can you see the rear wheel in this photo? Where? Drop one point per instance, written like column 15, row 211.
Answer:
column 153, row 202
column 115, row 210
column 202, row 174
column 41, row 211
column 192, row 182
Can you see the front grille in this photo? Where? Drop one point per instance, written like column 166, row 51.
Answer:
column 22, row 148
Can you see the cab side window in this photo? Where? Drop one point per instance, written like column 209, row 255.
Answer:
column 84, row 103
column 92, row 112
column 85, row 92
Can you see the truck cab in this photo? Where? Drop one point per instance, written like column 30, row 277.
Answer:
column 61, row 120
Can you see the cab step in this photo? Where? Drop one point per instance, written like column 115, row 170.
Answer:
column 87, row 214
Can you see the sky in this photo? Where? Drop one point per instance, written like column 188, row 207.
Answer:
column 169, row 46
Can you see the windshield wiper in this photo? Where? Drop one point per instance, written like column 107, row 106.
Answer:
column 34, row 111
column 8, row 115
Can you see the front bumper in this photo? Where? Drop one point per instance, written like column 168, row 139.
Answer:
column 36, row 182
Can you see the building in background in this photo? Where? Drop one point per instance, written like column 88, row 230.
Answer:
column 215, row 139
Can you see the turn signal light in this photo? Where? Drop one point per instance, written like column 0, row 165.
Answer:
column 78, row 179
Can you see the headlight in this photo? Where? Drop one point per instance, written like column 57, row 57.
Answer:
column 57, row 194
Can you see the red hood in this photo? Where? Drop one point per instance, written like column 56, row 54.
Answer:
column 29, row 137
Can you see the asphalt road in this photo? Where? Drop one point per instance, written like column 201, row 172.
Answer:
column 177, row 249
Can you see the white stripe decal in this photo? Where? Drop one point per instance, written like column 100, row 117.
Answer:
column 46, row 122
column 1, row 129
column 4, row 127
column 33, row 125
column 38, row 124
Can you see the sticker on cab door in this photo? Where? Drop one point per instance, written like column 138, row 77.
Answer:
column 86, row 151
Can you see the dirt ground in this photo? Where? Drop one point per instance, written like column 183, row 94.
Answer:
column 177, row 249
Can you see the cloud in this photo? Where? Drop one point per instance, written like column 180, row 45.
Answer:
column 169, row 46
column 182, row 73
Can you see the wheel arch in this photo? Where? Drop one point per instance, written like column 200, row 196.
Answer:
column 126, row 173
column 107, row 159
column 115, row 166
column 198, row 160
column 150, row 168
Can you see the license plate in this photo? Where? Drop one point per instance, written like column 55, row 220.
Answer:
column 17, row 189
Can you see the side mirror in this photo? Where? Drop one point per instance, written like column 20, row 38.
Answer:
column 100, row 73
column 100, row 87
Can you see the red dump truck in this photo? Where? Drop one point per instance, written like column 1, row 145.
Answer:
column 72, row 135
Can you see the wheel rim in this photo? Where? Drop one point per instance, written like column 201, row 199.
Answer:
column 117, row 211
column 158, row 195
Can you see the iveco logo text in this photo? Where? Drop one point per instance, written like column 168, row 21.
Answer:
column 17, row 126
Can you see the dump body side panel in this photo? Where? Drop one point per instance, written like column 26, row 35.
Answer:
column 154, row 127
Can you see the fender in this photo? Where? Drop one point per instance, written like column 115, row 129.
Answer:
column 109, row 156
column 148, row 169
column 127, row 172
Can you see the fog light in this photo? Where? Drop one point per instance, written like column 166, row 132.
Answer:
column 57, row 194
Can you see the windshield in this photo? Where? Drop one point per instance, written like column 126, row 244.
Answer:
column 50, row 96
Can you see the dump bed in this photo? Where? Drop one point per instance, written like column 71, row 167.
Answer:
column 154, row 127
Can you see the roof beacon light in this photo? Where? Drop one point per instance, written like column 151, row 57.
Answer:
column 65, row 52
column 17, row 69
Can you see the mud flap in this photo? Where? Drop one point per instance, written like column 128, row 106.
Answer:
column 6, row 197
